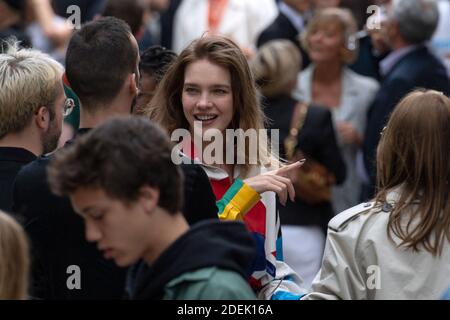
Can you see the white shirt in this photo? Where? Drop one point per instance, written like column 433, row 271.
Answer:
column 242, row 21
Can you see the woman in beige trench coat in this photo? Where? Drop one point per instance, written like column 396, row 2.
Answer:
column 398, row 246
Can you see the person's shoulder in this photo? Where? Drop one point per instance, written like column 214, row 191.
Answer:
column 194, row 175
column 35, row 170
column 306, row 74
column 272, row 32
column 367, row 83
column 356, row 216
column 226, row 284
column 232, row 283
column 415, row 62
column 191, row 168
column 280, row 23
column 32, row 194
column 210, row 283
column 435, row 67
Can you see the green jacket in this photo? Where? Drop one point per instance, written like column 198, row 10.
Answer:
column 209, row 284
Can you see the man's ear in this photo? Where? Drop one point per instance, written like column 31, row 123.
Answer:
column 133, row 84
column 149, row 198
column 42, row 118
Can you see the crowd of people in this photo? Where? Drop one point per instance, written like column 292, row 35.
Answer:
column 129, row 168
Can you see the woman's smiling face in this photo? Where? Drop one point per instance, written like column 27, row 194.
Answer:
column 207, row 95
column 326, row 42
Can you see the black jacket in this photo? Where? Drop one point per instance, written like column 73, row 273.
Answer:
column 317, row 140
column 418, row 69
column 11, row 161
column 166, row 23
column 58, row 240
column 225, row 245
column 282, row 28
column 199, row 199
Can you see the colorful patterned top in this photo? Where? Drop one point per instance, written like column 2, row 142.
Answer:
column 271, row 278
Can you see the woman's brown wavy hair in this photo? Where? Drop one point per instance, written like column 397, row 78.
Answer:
column 414, row 155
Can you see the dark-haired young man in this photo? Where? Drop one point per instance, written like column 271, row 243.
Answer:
column 122, row 181
column 101, row 65
column 102, row 69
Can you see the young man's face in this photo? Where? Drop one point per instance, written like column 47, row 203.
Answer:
column 119, row 229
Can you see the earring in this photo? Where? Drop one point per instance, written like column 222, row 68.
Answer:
column 351, row 43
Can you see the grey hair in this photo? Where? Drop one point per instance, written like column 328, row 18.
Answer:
column 417, row 19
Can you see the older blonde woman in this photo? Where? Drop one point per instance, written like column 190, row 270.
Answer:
column 328, row 82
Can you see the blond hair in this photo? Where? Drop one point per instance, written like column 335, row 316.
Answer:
column 28, row 79
column 345, row 19
column 14, row 260
column 276, row 67
column 166, row 106
column 413, row 154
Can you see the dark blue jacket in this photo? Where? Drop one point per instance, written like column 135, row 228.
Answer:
column 282, row 28
column 418, row 69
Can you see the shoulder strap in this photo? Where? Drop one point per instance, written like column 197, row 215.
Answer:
column 298, row 120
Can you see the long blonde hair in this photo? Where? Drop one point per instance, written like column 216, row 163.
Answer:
column 166, row 106
column 14, row 260
column 414, row 154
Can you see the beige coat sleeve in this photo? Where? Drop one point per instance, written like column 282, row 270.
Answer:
column 342, row 275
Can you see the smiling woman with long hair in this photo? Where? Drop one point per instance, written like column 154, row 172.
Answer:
column 211, row 84
column 398, row 246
